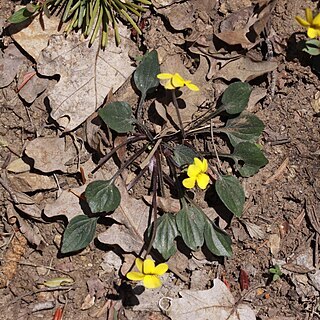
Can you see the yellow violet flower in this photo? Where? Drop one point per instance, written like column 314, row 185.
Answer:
column 148, row 273
column 197, row 174
column 176, row 81
column 312, row 24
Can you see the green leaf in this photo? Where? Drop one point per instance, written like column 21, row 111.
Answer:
column 312, row 47
column 248, row 158
column 231, row 193
column 79, row 233
column 191, row 224
column 102, row 195
column 245, row 127
column 20, row 16
column 217, row 241
column 183, row 155
column 167, row 231
column 145, row 76
column 236, row 96
column 118, row 116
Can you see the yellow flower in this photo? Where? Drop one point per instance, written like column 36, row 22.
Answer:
column 176, row 81
column 197, row 174
column 312, row 24
column 148, row 273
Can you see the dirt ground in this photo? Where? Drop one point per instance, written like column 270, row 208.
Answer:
column 282, row 200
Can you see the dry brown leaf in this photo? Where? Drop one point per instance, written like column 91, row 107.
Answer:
column 18, row 166
column 10, row 61
column 50, row 154
column 87, row 74
column 215, row 303
column 30, row 182
column 133, row 216
column 34, row 36
column 165, row 204
column 245, row 69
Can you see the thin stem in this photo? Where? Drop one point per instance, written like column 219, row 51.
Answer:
column 214, row 145
column 154, row 206
column 114, row 150
column 144, row 128
column 139, row 108
column 176, row 105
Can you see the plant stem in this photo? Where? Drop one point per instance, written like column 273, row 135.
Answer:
column 176, row 105
column 114, row 150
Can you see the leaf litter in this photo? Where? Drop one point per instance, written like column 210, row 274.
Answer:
column 212, row 65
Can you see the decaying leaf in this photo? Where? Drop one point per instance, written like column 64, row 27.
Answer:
column 35, row 36
column 215, row 303
column 245, row 69
column 165, row 204
column 133, row 216
column 84, row 82
column 50, row 153
column 10, row 61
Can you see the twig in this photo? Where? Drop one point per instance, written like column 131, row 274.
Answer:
column 176, row 105
column 278, row 172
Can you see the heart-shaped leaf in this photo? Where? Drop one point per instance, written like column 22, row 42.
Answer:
column 231, row 193
column 102, row 196
column 183, row 155
column 217, row 241
column 78, row 233
column 118, row 116
column 245, row 127
column 248, row 158
column 166, row 233
column 145, row 76
column 236, row 96
column 191, row 223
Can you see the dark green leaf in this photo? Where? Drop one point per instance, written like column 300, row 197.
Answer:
column 249, row 158
column 102, row 195
column 183, row 155
column 145, row 76
column 79, row 233
column 166, row 233
column 118, row 116
column 20, row 16
column 191, row 223
column 245, row 127
column 231, row 193
column 236, row 96
column 217, row 241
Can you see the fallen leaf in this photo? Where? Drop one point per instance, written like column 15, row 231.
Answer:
column 133, row 216
column 165, row 204
column 274, row 243
column 164, row 3
column 50, row 154
column 88, row 302
column 33, row 36
column 245, row 69
column 86, row 75
column 215, row 303
column 18, row 166
column 10, row 61
column 31, row 182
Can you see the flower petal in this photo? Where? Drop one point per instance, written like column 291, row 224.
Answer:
column 164, row 76
column 309, row 15
column 312, row 33
column 177, row 80
column 191, row 86
column 161, row 269
column 193, row 170
column 135, row 276
column 151, row 282
column 139, row 264
column 169, row 85
column 302, row 22
column 203, row 180
column 204, row 165
column 148, row 266
column 189, row 183
column 316, row 20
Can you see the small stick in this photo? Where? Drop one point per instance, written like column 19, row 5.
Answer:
column 278, row 172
